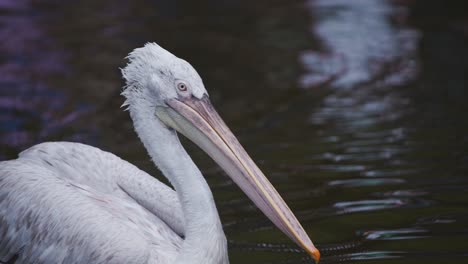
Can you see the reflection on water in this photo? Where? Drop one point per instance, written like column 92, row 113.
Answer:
column 365, row 182
column 372, row 155
column 395, row 234
column 360, row 44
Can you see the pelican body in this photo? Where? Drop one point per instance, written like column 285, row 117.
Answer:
column 63, row 202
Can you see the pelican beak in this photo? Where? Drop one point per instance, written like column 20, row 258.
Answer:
column 198, row 120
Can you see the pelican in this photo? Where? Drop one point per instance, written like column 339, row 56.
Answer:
column 63, row 202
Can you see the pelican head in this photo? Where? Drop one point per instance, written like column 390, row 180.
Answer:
column 175, row 93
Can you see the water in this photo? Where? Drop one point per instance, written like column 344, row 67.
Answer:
column 354, row 109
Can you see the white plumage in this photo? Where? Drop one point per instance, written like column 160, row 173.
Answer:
column 66, row 202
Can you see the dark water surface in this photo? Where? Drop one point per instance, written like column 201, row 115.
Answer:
column 356, row 110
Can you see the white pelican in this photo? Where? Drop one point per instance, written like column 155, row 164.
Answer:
column 64, row 202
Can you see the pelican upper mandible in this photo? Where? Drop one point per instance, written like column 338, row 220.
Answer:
column 63, row 202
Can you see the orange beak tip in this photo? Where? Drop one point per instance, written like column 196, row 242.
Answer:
column 315, row 255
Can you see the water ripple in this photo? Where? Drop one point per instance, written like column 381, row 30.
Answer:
column 389, row 173
column 397, row 234
column 368, row 255
column 402, row 193
column 369, row 205
column 365, row 182
column 342, row 168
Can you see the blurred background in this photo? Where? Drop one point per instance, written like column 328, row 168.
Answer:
column 355, row 109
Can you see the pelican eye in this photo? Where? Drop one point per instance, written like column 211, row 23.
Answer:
column 182, row 87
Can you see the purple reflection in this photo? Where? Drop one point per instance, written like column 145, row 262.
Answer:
column 31, row 110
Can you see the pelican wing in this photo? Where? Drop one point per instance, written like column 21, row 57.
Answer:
column 72, row 203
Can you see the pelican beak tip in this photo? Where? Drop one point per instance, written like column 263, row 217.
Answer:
column 315, row 254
